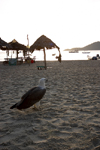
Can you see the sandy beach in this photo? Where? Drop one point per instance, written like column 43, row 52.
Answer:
column 69, row 116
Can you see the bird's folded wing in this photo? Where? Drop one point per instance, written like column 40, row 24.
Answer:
column 27, row 93
column 32, row 96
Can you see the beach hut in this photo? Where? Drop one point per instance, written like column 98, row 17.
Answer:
column 17, row 46
column 44, row 43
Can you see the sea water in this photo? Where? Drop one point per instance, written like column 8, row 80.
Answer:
column 51, row 55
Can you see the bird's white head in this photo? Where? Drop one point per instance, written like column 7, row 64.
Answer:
column 42, row 82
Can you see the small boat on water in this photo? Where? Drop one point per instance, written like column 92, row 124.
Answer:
column 85, row 52
column 73, row 51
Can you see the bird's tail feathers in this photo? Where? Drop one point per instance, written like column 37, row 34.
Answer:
column 14, row 106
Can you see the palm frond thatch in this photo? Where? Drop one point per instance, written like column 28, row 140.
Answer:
column 17, row 46
column 43, row 42
column 4, row 45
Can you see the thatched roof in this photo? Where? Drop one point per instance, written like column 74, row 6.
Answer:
column 43, row 42
column 4, row 45
column 17, row 46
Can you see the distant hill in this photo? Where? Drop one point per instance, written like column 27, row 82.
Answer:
column 93, row 46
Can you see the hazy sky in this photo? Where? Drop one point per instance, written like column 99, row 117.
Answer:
column 69, row 23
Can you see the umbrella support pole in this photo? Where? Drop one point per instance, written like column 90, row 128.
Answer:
column 17, row 54
column 45, row 59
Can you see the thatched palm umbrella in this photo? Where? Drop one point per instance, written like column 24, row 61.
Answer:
column 43, row 42
column 17, row 46
column 4, row 45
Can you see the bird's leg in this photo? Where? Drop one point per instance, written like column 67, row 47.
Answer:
column 37, row 105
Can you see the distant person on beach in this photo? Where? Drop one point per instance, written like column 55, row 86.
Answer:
column 59, row 58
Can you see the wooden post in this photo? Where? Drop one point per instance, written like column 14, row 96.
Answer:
column 45, row 59
column 17, row 55
column 24, row 53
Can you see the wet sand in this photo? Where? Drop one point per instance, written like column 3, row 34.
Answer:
column 69, row 116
